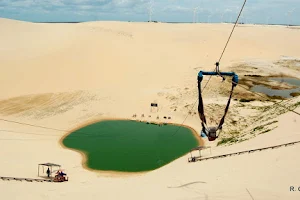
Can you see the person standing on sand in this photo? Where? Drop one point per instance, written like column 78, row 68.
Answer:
column 48, row 172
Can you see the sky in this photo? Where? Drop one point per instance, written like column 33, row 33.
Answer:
column 213, row 11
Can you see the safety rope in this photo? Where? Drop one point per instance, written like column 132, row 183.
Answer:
column 226, row 109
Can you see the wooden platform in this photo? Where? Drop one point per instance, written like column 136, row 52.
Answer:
column 24, row 179
column 199, row 158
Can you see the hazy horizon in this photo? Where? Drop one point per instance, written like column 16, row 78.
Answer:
column 153, row 21
column 184, row 11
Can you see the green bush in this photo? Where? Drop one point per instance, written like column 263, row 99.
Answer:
column 227, row 140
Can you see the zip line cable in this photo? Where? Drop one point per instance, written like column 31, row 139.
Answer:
column 232, row 30
column 217, row 67
column 61, row 130
column 85, row 134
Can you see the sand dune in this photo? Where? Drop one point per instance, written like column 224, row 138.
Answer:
column 63, row 75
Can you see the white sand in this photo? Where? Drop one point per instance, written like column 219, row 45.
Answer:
column 73, row 73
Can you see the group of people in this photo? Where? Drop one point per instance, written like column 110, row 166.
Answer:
column 59, row 177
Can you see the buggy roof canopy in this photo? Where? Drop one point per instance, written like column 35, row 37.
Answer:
column 50, row 165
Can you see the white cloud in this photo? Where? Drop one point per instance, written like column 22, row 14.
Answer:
column 176, row 8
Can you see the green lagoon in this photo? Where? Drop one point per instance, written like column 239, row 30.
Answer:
column 130, row 146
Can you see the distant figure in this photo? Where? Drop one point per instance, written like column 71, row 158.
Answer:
column 48, row 172
column 62, row 174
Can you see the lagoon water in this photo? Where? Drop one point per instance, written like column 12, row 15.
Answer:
column 282, row 93
column 130, row 146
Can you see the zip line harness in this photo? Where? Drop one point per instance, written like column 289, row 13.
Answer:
column 211, row 132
